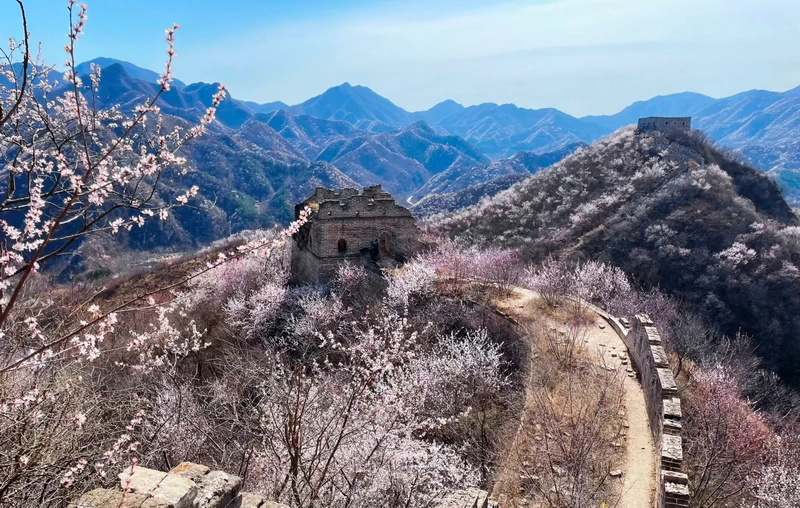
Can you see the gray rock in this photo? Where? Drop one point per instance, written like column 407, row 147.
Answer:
column 250, row 500
column 173, row 489
column 216, row 490
column 191, row 470
column 105, row 498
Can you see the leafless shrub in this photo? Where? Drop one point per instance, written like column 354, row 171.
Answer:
column 564, row 343
column 565, row 448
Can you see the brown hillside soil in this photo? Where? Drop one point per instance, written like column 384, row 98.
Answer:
column 626, row 445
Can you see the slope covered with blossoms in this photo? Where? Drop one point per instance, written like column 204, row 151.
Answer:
column 673, row 213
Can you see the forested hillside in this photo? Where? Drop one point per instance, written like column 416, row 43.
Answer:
column 677, row 214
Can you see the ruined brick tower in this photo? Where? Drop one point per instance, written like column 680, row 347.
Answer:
column 665, row 124
column 348, row 226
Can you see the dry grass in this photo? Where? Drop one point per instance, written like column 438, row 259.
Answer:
column 568, row 442
column 571, row 433
column 567, row 312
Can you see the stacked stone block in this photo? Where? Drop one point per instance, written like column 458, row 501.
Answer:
column 667, row 125
column 190, row 485
column 663, row 406
column 187, row 485
column 343, row 226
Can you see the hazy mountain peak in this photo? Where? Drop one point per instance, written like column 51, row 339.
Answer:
column 439, row 112
column 358, row 105
column 793, row 91
column 133, row 70
column 266, row 107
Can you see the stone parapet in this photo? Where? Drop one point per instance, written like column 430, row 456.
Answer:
column 650, row 359
column 187, row 485
column 675, row 490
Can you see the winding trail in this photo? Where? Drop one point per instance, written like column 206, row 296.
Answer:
column 638, row 481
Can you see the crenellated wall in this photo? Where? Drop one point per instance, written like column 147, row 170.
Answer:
column 667, row 125
column 647, row 353
column 344, row 225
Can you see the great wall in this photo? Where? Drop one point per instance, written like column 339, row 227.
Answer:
column 346, row 226
column 664, row 407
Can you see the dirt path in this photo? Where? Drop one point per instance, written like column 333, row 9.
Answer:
column 638, row 486
column 639, row 471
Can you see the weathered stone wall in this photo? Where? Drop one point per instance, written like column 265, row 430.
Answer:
column 305, row 266
column 187, row 485
column 665, row 124
column 360, row 232
column 190, row 485
column 663, row 405
column 343, row 225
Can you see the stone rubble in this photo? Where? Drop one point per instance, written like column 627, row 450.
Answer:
column 187, row 485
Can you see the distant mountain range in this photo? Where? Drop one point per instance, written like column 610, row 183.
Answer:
column 133, row 70
column 761, row 123
column 763, row 126
column 449, row 153
column 469, row 179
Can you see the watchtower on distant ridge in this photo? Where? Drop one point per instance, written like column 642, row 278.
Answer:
column 666, row 124
column 350, row 226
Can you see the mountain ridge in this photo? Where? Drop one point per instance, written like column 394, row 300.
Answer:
column 761, row 125
column 132, row 69
column 676, row 214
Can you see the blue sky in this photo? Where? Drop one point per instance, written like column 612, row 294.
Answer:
column 580, row 56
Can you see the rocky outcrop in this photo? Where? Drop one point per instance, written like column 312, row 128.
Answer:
column 187, row 485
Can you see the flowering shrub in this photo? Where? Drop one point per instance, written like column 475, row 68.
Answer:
column 351, row 281
column 551, row 280
column 446, row 378
column 601, row 284
column 254, row 313
column 724, row 439
column 94, row 171
column 361, row 414
column 318, row 314
column 414, row 281
column 595, row 282
column 72, row 170
column 458, row 264
column 777, row 483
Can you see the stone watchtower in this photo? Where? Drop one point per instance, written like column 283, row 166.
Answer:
column 666, row 124
column 350, row 226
